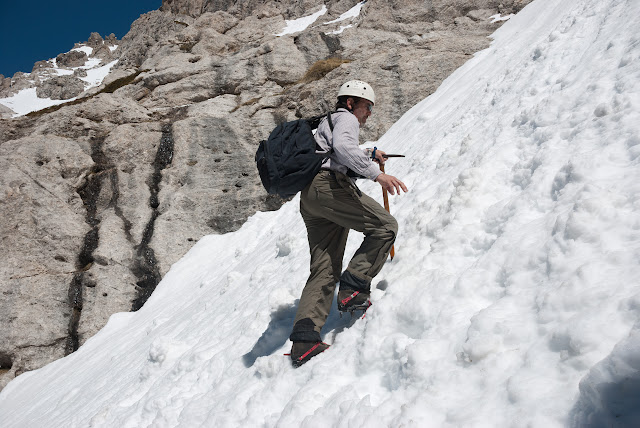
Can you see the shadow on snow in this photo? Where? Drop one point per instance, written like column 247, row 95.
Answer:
column 279, row 328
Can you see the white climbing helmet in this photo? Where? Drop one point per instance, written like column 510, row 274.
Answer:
column 357, row 88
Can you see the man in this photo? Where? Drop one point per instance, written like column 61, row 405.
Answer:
column 331, row 205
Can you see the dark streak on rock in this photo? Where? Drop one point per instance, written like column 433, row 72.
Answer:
column 90, row 193
column 145, row 267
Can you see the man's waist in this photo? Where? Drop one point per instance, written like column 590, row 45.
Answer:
column 333, row 165
column 349, row 173
column 328, row 171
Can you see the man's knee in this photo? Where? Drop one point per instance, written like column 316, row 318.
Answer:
column 393, row 226
column 389, row 229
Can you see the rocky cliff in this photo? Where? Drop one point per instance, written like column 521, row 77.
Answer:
column 102, row 194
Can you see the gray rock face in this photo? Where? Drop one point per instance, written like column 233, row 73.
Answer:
column 5, row 112
column 40, row 65
column 95, row 40
column 60, row 88
column 43, row 226
column 72, row 59
column 101, row 196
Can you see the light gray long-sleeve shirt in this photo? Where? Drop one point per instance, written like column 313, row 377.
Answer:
column 347, row 153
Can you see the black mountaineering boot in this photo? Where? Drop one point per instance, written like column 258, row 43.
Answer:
column 301, row 352
column 353, row 294
column 352, row 300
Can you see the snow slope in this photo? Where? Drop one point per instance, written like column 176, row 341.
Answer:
column 513, row 299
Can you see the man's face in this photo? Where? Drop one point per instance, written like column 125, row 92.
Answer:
column 362, row 110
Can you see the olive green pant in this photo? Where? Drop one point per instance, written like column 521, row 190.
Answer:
column 331, row 205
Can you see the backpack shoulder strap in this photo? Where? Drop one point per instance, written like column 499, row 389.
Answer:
column 330, row 121
column 329, row 113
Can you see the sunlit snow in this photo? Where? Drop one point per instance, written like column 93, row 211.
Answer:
column 26, row 100
column 301, row 24
column 340, row 30
column 354, row 12
column 498, row 17
column 95, row 76
column 86, row 49
column 512, row 301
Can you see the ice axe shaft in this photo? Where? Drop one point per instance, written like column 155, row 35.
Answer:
column 385, row 198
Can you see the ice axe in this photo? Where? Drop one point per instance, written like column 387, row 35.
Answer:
column 385, row 196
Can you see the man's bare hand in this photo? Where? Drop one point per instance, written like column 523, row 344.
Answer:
column 390, row 183
column 380, row 157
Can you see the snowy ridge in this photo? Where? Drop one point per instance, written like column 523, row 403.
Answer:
column 301, row 24
column 351, row 14
column 26, row 100
column 511, row 301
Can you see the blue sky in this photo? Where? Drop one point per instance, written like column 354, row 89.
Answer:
column 36, row 30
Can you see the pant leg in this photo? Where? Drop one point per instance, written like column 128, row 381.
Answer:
column 327, row 242
column 353, row 210
column 369, row 259
column 330, row 206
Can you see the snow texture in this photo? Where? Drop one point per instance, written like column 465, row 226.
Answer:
column 340, row 30
column 301, row 24
column 498, row 17
column 26, row 101
column 352, row 13
column 610, row 394
column 86, row 49
column 512, row 300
